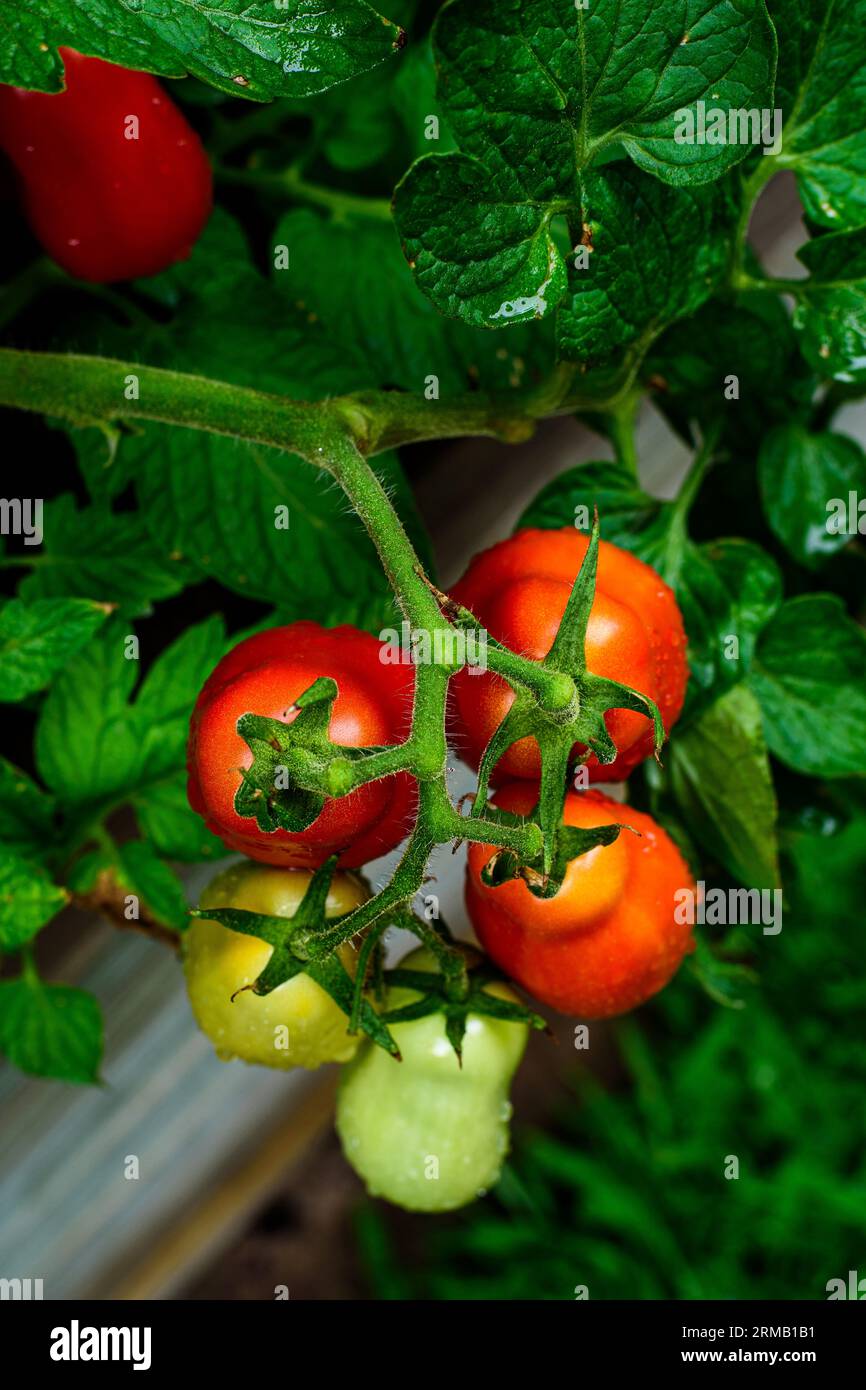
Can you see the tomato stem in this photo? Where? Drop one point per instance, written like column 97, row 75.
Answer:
column 88, row 390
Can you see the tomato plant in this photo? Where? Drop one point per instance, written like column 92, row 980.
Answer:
column 238, row 565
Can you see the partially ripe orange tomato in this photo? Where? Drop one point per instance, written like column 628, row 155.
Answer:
column 610, row 938
column 518, row 589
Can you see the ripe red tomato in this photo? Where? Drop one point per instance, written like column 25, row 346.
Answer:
column 519, row 590
column 609, row 940
column 264, row 675
column 115, row 182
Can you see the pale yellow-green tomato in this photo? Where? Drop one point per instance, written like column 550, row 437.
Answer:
column 297, row 1024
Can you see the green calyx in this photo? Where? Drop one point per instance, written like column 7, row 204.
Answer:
column 293, row 940
column 435, row 995
column 579, row 721
column 295, row 765
column 569, row 842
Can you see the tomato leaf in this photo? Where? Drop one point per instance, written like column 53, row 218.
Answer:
column 830, row 315
column 478, row 225
column 96, row 450
column 28, row 899
column 51, row 1030
column 164, row 815
column 657, row 254
column 384, row 119
column 218, row 264
column 809, row 675
column 728, row 591
column 27, row 814
column 154, row 882
column 720, row 777
column 99, row 554
column 354, row 279
column 265, row 523
column 573, row 80
column 729, row 983
column 258, row 50
column 822, row 81
column 801, row 476
column 37, row 639
column 87, row 746
column 624, row 509
column 96, row 746
column 748, row 375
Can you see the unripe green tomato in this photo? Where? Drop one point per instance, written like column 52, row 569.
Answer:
column 426, row 1133
column 297, row 1024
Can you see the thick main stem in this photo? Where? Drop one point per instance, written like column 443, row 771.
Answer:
column 85, row 390
column 387, row 532
column 99, row 390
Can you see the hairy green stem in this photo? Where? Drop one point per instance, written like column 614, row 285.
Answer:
column 447, row 824
column 85, row 390
column 451, row 960
column 554, row 691
column 405, row 883
column 99, row 390
column 401, row 564
column 345, row 775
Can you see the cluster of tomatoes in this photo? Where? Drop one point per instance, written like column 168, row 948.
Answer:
column 116, row 185
column 426, row 1132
